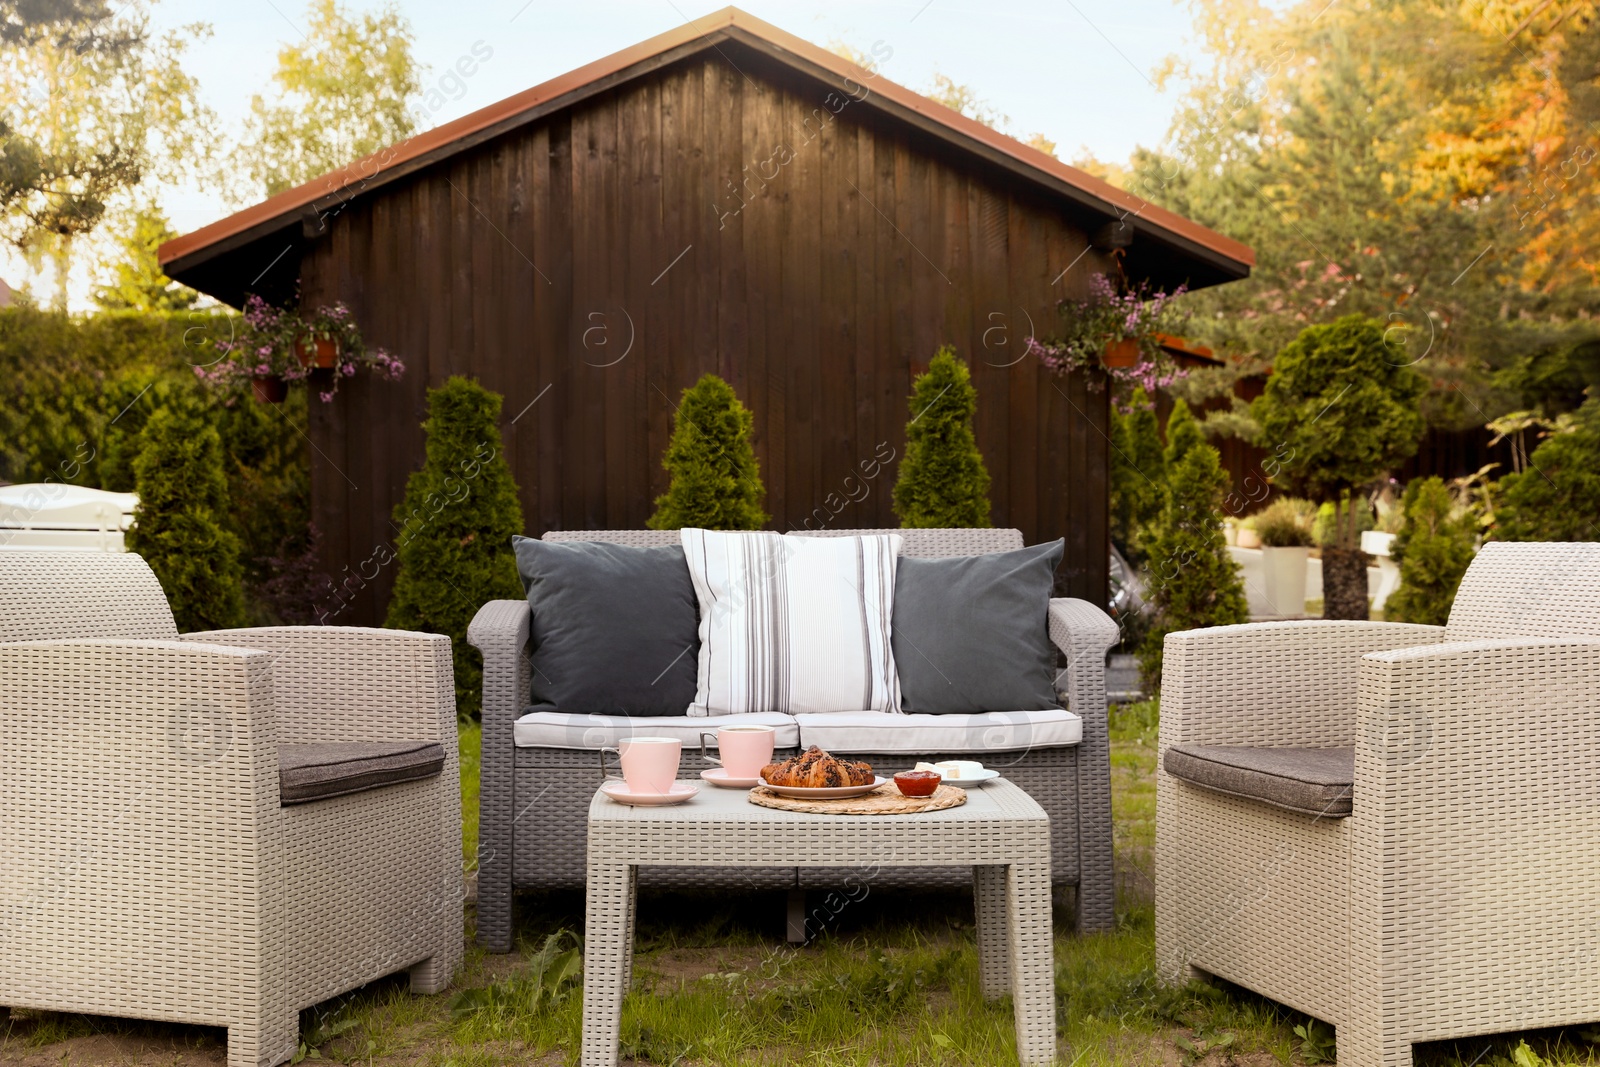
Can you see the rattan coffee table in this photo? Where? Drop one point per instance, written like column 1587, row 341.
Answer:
column 1000, row 831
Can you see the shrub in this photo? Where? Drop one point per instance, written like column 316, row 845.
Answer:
column 1138, row 474
column 1183, row 433
column 455, row 526
column 1284, row 523
column 1433, row 549
column 715, row 478
column 1325, row 527
column 942, row 482
column 1193, row 580
column 1345, row 411
column 182, row 527
column 1558, row 497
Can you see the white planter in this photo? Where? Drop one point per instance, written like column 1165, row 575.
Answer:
column 1283, row 573
column 1376, row 542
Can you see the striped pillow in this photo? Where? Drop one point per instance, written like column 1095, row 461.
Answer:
column 793, row 624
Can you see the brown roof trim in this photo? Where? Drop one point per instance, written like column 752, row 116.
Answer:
column 311, row 200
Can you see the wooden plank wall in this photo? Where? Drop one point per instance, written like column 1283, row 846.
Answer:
column 721, row 218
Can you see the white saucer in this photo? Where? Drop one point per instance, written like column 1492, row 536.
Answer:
column 719, row 776
column 972, row 781
column 618, row 790
column 825, row 793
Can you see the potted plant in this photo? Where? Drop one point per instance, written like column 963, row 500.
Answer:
column 1284, row 529
column 280, row 347
column 1119, row 331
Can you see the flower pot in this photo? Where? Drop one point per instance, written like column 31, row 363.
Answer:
column 269, row 390
column 1248, row 538
column 1123, row 353
column 316, row 352
column 1283, row 579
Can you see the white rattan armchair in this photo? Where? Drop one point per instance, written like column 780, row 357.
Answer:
column 151, row 868
column 1448, row 889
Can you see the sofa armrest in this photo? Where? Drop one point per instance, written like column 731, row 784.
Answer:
column 1272, row 683
column 500, row 631
column 354, row 683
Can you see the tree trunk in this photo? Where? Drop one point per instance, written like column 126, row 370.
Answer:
column 1344, row 583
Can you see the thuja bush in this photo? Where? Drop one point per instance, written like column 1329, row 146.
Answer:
column 942, row 481
column 1193, row 580
column 181, row 526
column 715, row 481
column 1558, row 497
column 455, row 526
column 1183, row 433
column 1138, row 477
column 1433, row 549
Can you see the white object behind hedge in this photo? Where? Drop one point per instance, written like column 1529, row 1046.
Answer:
column 57, row 516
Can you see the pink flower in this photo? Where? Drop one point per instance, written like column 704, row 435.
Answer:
column 326, row 397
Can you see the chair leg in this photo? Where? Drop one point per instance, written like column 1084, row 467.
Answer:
column 430, row 976
column 264, row 1042
column 1371, row 1045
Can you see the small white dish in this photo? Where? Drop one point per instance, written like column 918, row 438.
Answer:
column 618, row 790
column 840, row 792
column 971, row 781
column 718, row 776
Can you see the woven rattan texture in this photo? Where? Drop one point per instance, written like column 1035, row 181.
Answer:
column 517, row 848
column 999, row 828
column 151, row 871
column 1469, row 855
column 80, row 594
column 885, row 800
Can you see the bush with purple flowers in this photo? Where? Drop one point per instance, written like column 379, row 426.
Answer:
column 281, row 342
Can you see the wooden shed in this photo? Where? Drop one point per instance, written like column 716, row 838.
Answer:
column 726, row 198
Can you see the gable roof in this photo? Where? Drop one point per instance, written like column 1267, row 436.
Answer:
column 185, row 258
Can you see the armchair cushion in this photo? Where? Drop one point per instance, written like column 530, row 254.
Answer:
column 971, row 633
column 1313, row 781
column 335, row 768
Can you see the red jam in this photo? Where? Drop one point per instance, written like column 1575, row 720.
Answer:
column 917, row 783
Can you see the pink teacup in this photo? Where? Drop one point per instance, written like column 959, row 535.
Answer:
column 649, row 764
column 744, row 749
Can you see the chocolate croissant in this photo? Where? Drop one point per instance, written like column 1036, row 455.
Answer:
column 815, row 769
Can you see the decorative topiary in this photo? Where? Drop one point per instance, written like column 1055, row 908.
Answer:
column 1183, row 433
column 1558, row 497
column 1138, row 477
column 455, row 526
column 1433, row 549
column 715, row 478
column 1341, row 408
column 1193, row 580
column 181, row 524
column 942, row 481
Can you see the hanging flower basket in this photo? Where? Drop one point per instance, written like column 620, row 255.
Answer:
column 1121, row 353
column 280, row 347
column 269, row 390
column 321, row 353
column 1117, row 333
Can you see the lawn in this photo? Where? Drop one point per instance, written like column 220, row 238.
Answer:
column 893, row 981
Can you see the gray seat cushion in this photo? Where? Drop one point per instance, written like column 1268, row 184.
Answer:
column 1315, row 781
column 332, row 769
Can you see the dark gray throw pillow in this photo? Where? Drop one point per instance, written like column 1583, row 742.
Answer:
column 615, row 629
column 971, row 633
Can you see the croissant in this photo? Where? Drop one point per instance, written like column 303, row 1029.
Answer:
column 815, row 769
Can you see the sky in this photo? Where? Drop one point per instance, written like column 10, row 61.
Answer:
column 1077, row 71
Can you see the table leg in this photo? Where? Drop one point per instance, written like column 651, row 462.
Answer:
column 607, row 959
column 1033, row 980
column 994, row 952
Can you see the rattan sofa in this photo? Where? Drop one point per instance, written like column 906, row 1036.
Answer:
column 152, row 867
column 538, row 778
column 1450, row 890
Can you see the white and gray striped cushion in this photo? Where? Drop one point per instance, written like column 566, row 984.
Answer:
column 793, row 624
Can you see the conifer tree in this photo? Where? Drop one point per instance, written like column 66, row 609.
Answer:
column 1138, row 477
column 942, row 481
column 1558, row 497
column 182, row 525
column 1433, row 549
column 455, row 526
column 1183, row 433
column 715, row 478
column 1193, row 580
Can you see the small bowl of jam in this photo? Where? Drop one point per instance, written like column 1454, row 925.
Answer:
column 917, row 783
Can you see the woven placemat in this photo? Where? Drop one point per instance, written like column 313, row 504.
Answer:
column 884, row 800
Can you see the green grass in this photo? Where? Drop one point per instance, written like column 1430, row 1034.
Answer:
column 471, row 735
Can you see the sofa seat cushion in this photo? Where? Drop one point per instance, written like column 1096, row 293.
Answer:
column 559, row 729
column 1313, row 781
column 333, row 769
column 946, row 734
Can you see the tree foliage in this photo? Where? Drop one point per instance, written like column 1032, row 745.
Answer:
column 942, row 480
column 456, row 522
column 1193, row 581
column 1558, row 497
column 182, row 527
column 1183, row 433
column 1138, row 477
column 1433, row 549
column 344, row 92
column 136, row 282
column 715, row 480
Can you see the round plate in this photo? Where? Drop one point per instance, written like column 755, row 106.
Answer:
column 972, row 781
column 719, row 776
column 618, row 790
column 825, row 793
